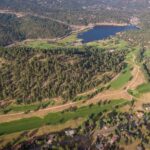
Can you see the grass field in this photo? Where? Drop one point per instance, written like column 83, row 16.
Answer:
column 123, row 78
column 55, row 118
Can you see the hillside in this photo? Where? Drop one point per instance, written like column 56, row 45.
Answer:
column 32, row 75
column 58, row 91
column 39, row 5
column 14, row 29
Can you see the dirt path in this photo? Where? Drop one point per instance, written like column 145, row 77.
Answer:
column 145, row 98
column 6, row 11
column 138, row 78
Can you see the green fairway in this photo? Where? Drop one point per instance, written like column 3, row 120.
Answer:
column 69, row 39
column 56, row 118
column 28, row 107
column 141, row 89
column 20, row 125
column 144, row 88
column 110, row 44
column 81, row 112
column 41, row 44
column 123, row 78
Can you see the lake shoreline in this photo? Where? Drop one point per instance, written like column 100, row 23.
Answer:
column 102, row 31
column 79, row 29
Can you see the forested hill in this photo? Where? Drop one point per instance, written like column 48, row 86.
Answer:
column 31, row 75
column 46, row 5
column 13, row 28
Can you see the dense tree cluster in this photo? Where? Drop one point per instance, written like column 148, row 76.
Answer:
column 30, row 74
column 39, row 5
column 146, row 67
column 85, row 17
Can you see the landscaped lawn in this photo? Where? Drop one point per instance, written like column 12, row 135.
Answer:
column 123, row 78
column 56, row 118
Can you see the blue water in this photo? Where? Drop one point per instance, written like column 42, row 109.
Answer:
column 103, row 32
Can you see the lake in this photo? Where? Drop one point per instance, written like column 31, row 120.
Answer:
column 103, row 32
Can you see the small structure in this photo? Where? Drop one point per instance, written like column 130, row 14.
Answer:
column 70, row 132
column 112, row 50
column 114, row 139
column 146, row 106
column 50, row 139
column 100, row 146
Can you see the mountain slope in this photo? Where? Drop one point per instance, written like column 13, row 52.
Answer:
column 47, row 5
column 16, row 29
